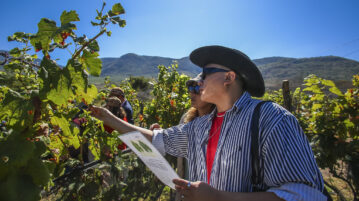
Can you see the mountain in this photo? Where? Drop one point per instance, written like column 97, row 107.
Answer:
column 135, row 65
column 274, row 69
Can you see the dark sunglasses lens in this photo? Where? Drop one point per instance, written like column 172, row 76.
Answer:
column 196, row 89
column 207, row 71
column 190, row 88
column 193, row 89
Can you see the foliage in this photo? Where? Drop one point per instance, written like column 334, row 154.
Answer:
column 168, row 90
column 140, row 83
column 170, row 98
column 330, row 118
column 275, row 96
column 42, row 149
column 38, row 140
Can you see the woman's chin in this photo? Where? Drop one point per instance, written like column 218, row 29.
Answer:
column 204, row 98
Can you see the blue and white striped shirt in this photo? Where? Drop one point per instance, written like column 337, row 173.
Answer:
column 286, row 159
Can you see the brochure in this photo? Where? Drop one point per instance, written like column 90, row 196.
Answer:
column 150, row 156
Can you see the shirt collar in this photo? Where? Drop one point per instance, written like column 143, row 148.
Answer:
column 242, row 101
column 237, row 106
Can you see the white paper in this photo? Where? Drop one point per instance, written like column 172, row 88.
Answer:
column 150, row 156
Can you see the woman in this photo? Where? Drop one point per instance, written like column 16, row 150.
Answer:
column 199, row 107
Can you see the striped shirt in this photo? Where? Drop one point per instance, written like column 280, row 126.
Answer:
column 287, row 163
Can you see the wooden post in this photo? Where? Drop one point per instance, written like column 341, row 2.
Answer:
column 286, row 96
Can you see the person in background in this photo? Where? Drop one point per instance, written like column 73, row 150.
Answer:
column 113, row 104
column 198, row 107
column 118, row 92
column 218, row 145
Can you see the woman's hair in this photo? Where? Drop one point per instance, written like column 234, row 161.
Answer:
column 193, row 113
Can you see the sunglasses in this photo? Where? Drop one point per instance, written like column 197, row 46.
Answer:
column 207, row 71
column 193, row 89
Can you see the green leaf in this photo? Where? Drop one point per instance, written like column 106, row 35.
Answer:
column 16, row 109
column 15, row 52
column 316, row 106
column 56, row 85
column 313, row 88
column 67, row 17
column 19, row 187
column 111, row 14
column 38, row 171
column 46, row 31
column 328, row 83
column 336, row 91
column 78, row 78
column 94, row 151
column 93, row 46
column 91, row 62
column 119, row 21
column 46, row 27
column 348, row 123
column 118, row 9
column 74, row 141
column 18, row 151
column 122, row 23
column 89, row 95
column 19, row 37
column 95, row 24
column 337, row 108
column 63, row 123
column 40, row 148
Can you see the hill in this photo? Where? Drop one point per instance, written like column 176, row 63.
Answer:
column 274, row 69
column 135, row 65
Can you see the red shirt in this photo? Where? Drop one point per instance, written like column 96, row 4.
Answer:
column 213, row 138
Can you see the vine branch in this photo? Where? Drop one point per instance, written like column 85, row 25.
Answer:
column 77, row 53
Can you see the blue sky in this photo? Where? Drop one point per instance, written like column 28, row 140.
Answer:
column 173, row 28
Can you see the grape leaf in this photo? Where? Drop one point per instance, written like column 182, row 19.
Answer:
column 67, row 17
column 118, row 9
column 46, row 31
column 92, row 62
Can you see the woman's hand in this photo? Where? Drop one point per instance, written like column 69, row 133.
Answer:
column 155, row 126
column 100, row 113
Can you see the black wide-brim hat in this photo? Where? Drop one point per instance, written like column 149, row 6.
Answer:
column 235, row 60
